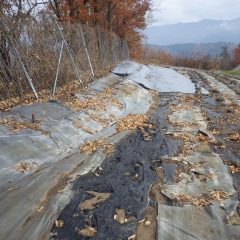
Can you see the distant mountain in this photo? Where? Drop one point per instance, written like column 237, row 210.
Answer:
column 195, row 49
column 205, row 31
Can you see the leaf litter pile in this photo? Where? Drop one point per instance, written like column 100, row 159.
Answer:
column 204, row 200
column 18, row 126
column 66, row 93
column 24, row 167
column 94, row 100
column 134, row 121
column 95, row 145
column 26, row 99
column 234, row 169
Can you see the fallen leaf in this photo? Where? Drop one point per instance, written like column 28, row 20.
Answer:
column 27, row 166
column 99, row 144
column 133, row 121
column 133, row 237
column 234, row 169
column 59, row 223
column 40, row 209
column 91, row 203
column 120, row 216
column 88, row 232
column 235, row 137
column 147, row 223
column 219, row 195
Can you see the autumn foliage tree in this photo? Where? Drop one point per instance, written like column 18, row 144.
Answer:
column 125, row 18
column 236, row 55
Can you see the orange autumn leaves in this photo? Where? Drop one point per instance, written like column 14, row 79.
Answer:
column 125, row 18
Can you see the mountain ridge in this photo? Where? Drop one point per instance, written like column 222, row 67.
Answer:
column 195, row 49
column 204, row 31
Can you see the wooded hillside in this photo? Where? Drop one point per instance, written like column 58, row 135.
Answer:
column 44, row 43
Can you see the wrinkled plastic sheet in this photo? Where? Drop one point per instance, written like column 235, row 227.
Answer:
column 210, row 165
column 30, row 201
column 228, row 94
column 206, row 174
column 191, row 223
column 156, row 78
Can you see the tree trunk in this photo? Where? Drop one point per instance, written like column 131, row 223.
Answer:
column 73, row 6
column 110, row 15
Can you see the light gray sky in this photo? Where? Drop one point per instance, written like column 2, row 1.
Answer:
column 175, row 11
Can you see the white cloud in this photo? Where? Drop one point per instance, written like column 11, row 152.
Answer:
column 175, row 11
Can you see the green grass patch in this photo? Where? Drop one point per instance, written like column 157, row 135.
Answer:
column 232, row 72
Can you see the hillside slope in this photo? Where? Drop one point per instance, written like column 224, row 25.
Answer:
column 205, row 31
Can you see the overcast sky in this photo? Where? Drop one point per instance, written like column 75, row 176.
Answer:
column 175, row 11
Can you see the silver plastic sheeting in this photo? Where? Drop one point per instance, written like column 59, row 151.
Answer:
column 206, row 175
column 191, row 223
column 228, row 94
column 156, row 78
column 207, row 164
column 30, row 200
column 189, row 116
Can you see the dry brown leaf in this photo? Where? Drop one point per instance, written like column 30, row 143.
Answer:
column 234, row 169
column 133, row 121
column 94, row 100
column 91, row 203
column 18, row 126
column 219, row 195
column 147, row 223
column 99, row 144
column 24, row 167
column 195, row 201
column 235, row 137
column 120, row 216
column 59, row 223
column 215, row 132
column 180, row 107
column 133, row 237
column 88, row 231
